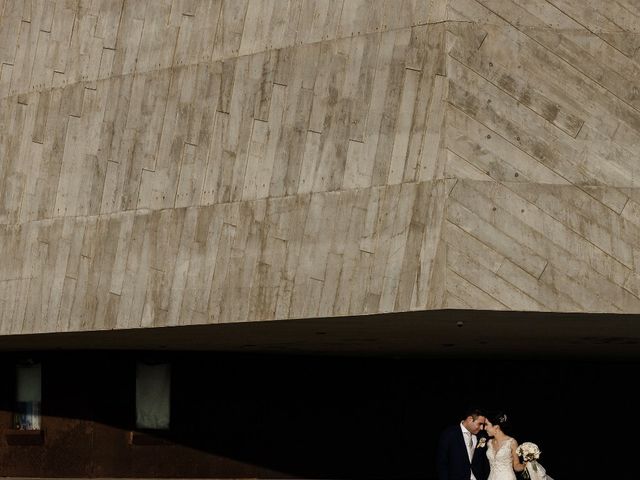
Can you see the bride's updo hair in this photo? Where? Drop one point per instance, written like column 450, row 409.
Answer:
column 500, row 419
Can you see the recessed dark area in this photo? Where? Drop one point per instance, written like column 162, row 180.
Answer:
column 305, row 416
column 350, row 397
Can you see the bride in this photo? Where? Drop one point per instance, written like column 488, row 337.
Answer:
column 501, row 450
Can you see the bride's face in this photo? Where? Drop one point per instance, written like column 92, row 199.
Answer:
column 491, row 430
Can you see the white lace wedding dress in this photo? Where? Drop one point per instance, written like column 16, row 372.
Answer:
column 501, row 461
column 537, row 472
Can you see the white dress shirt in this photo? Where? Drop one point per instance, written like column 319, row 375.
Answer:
column 466, row 433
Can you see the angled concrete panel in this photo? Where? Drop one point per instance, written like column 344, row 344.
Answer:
column 216, row 161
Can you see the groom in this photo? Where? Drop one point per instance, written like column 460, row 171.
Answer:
column 462, row 449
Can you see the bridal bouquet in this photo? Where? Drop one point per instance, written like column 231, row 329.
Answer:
column 529, row 452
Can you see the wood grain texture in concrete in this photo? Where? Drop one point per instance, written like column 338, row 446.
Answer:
column 191, row 162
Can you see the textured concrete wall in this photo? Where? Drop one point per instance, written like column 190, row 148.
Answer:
column 179, row 162
column 543, row 137
column 170, row 163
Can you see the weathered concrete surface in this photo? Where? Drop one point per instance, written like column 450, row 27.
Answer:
column 218, row 161
column 543, row 136
column 323, row 254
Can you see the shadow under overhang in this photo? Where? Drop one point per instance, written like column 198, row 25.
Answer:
column 437, row 333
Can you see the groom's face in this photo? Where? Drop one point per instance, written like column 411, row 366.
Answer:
column 475, row 425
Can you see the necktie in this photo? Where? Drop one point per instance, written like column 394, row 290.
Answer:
column 470, row 445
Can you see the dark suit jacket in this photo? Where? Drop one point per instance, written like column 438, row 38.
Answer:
column 453, row 461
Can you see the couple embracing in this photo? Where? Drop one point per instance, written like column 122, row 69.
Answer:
column 478, row 448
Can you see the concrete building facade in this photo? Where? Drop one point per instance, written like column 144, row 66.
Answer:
column 313, row 176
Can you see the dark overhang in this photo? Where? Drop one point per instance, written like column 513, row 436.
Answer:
column 443, row 333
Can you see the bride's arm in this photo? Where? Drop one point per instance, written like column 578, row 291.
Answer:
column 517, row 466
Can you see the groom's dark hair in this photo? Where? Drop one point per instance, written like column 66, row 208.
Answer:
column 474, row 412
